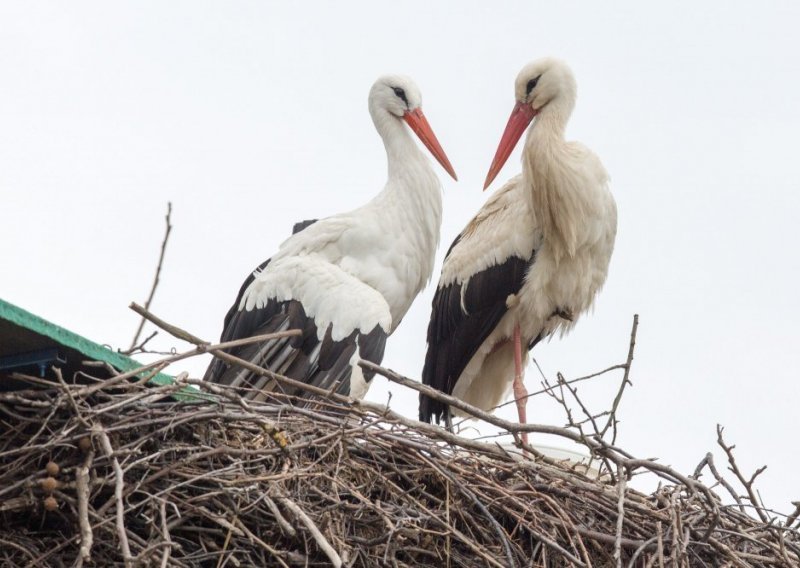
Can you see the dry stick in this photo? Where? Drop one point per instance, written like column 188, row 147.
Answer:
column 612, row 417
column 169, row 328
column 322, row 542
column 660, row 544
column 119, row 486
column 141, row 346
column 621, row 479
column 286, row 527
column 708, row 460
column 793, row 517
column 82, row 490
column 155, row 280
column 162, row 511
column 748, row 485
column 72, row 400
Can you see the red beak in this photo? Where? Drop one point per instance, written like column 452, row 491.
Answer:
column 419, row 124
column 520, row 118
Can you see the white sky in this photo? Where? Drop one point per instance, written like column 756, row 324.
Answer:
column 250, row 116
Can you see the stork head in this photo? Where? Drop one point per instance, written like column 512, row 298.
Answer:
column 542, row 84
column 400, row 98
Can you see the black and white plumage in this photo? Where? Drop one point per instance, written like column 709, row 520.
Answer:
column 346, row 281
column 530, row 262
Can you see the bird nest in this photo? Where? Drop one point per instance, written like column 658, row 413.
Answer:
column 119, row 472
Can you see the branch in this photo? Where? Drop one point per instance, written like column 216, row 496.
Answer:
column 82, row 490
column 748, row 485
column 709, row 461
column 155, row 280
column 793, row 517
column 169, row 328
column 621, row 479
column 612, row 417
column 322, row 542
column 119, row 486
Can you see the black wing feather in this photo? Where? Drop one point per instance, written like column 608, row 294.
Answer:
column 454, row 335
column 324, row 363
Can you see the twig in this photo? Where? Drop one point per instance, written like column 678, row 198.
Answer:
column 621, row 479
column 82, row 491
column 660, row 544
column 709, row 461
column 322, row 542
column 612, row 415
column 140, row 348
column 169, row 328
column 119, row 486
column 748, row 485
column 286, row 527
column 155, row 279
column 71, row 398
column 794, row 516
column 162, row 510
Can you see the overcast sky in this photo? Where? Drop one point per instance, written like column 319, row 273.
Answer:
column 250, row 116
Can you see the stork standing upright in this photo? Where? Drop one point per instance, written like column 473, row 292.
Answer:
column 530, row 262
column 346, row 281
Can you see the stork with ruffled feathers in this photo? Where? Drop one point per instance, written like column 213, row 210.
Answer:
column 345, row 281
column 530, row 262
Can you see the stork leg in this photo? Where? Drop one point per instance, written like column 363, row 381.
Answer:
column 520, row 392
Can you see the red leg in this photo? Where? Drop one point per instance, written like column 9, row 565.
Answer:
column 520, row 392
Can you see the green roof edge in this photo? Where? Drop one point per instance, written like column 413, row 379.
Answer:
column 90, row 349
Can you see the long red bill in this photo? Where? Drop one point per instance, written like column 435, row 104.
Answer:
column 419, row 124
column 519, row 120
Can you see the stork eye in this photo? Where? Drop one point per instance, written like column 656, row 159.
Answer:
column 400, row 93
column 532, row 85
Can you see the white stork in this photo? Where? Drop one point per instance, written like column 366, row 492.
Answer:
column 346, row 281
column 530, row 262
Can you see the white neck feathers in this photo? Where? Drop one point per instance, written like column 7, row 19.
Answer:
column 410, row 208
column 555, row 183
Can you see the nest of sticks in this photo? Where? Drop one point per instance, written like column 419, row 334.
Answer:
column 118, row 472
